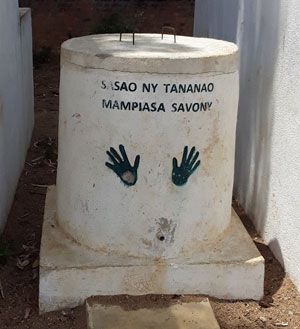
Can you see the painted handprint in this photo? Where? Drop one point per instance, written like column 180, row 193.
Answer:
column 189, row 164
column 122, row 167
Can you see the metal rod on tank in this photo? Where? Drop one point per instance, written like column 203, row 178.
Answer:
column 168, row 27
column 133, row 37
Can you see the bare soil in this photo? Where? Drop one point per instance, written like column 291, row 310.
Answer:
column 280, row 307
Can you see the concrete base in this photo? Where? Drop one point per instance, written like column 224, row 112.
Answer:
column 178, row 316
column 230, row 268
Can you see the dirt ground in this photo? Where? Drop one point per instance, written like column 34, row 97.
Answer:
column 280, row 307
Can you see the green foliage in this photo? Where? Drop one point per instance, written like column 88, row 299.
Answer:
column 117, row 23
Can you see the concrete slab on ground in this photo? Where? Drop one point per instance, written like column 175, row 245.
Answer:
column 198, row 315
column 230, row 267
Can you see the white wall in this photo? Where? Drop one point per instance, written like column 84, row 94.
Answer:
column 16, row 110
column 27, row 74
column 267, row 174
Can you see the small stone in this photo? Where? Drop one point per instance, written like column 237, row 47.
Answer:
column 27, row 312
column 21, row 264
column 35, row 264
column 265, row 304
column 281, row 324
column 263, row 319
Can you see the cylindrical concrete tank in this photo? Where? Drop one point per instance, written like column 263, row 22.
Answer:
column 146, row 143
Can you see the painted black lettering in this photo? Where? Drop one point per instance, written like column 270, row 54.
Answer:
column 189, row 89
column 116, row 85
column 134, row 105
column 173, row 89
column 116, row 106
column 154, row 86
column 132, row 86
column 161, row 107
column 197, row 88
column 180, row 108
column 146, row 87
column 123, row 87
column 196, row 107
column 203, row 107
column 146, row 107
column 210, row 87
column 167, row 85
column 106, row 104
column 204, row 89
column 188, row 107
column 103, row 85
column 181, row 88
column 125, row 106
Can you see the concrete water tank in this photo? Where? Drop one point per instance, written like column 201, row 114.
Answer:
column 145, row 173
column 128, row 115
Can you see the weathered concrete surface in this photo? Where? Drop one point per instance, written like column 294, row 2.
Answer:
column 230, row 267
column 153, row 218
column 151, row 54
column 134, row 221
column 180, row 316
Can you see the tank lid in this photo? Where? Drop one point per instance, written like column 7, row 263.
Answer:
column 151, row 54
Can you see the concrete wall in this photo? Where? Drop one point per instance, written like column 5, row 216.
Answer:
column 267, row 177
column 16, row 99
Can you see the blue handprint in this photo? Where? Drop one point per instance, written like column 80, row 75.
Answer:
column 122, row 167
column 189, row 164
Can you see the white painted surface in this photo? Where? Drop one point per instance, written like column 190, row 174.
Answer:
column 267, row 178
column 15, row 99
column 94, row 206
column 70, row 273
column 27, row 75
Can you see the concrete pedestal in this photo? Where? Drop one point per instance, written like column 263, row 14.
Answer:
column 145, row 173
column 229, row 268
